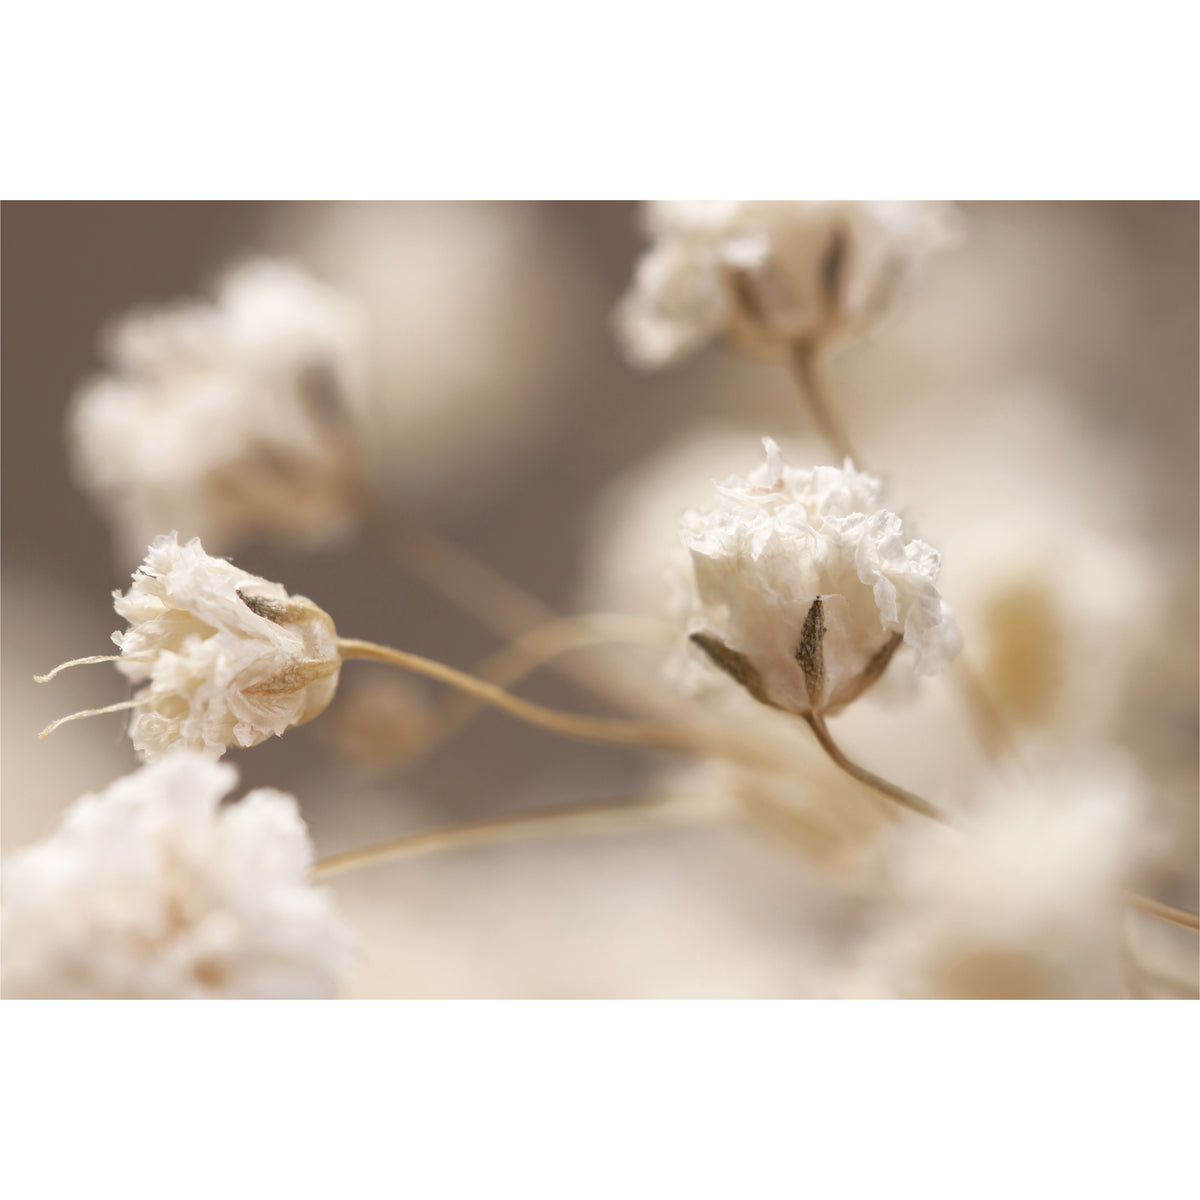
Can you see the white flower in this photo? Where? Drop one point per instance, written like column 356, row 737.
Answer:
column 228, row 658
column 458, row 344
column 805, row 586
column 155, row 889
column 227, row 419
column 1025, row 901
column 773, row 274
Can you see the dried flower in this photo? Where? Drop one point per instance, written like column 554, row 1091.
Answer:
column 774, row 275
column 154, row 889
column 1026, row 902
column 227, row 419
column 228, row 658
column 805, row 586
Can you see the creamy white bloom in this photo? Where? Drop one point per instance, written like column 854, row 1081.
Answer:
column 153, row 889
column 227, row 658
column 481, row 316
column 230, row 418
column 805, row 586
column 1026, row 900
column 772, row 274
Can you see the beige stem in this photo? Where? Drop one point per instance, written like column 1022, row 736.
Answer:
column 589, row 729
column 909, row 800
column 531, row 650
column 1156, row 908
column 601, row 817
column 804, row 367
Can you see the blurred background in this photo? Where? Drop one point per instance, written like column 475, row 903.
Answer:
column 1034, row 410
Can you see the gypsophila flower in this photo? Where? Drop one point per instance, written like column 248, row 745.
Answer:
column 227, row 658
column 804, row 586
column 228, row 419
column 152, row 889
column 1026, row 901
column 774, row 275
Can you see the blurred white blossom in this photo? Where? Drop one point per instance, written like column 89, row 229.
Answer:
column 805, row 586
column 153, row 889
column 227, row 419
column 1027, row 900
column 480, row 317
column 227, row 658
column 773, row 275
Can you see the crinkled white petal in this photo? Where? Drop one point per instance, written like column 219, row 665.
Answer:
column 772, row 274
column 227, row 418
column 217, row 671
column 155, row 889
column 769, row 545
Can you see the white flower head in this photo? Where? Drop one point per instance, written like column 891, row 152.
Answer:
column 153, row 889
column 1024, row 902
column 773, row 275
column 804, row 586
column 227, row 658
column 229, row 418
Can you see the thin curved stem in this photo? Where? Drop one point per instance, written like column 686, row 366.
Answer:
column 483, row 593
column 804, row 368
column 1156, row 908
column 589, row 729
column 488, row 596
column 526, row 654
column 600, row 817
column 909, row 800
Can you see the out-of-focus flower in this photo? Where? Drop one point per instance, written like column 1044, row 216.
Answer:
column 152, row 889
column 805, row 586
column 227, row 658
column 774, row 275
column 228, row 419
column 479, row 315
column 1026, row 901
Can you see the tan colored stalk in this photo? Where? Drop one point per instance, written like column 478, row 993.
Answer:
column 608, row 816
column 589, row 729
column 902, row 796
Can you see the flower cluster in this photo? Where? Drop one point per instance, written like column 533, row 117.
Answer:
column 773, row 275
column 230, row 418
column 227, row 658
column 804, row 586
column 152, row 889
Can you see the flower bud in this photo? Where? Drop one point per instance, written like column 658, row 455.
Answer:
column 804, row 587
column 227, row 658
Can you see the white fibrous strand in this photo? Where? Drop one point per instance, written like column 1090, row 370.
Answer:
column 155, row 889
column 227, row 658
column 228, row 419
column 803, row 586
column 772, row 275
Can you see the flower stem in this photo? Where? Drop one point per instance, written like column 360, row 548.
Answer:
column 485, row 594
column 600, row 817
column 909, row 800
column 804, row 368
column 590, row 729
column 1156, row 908
column 531, row 650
